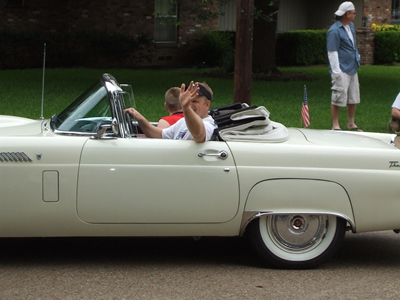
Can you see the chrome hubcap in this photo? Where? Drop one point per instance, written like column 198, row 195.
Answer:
column 297, row 232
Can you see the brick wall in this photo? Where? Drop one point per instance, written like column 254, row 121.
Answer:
column 126, row 17
column 122, row 16
column 365, row 45
column 190, row 25
column 377, row 11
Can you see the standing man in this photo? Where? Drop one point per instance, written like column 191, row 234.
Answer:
column 344, row 60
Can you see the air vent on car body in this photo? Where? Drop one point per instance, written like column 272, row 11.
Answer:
column 14, row 157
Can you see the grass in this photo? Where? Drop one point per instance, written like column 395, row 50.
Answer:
column 20, row 93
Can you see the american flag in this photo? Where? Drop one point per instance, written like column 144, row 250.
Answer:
column 305, row 116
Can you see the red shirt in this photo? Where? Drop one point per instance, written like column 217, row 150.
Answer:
column 173, row 118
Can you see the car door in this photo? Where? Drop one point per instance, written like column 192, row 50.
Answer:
column 141, row 180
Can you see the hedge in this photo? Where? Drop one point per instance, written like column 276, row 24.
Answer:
column 301, row 47
column 308, row 47
column 72, row 49
column 387, row 47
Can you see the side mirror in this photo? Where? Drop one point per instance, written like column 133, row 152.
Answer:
column 103, row 128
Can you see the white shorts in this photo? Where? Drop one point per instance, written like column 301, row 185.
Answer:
column 345, row 89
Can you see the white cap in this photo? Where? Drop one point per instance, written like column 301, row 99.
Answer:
column 344, row 7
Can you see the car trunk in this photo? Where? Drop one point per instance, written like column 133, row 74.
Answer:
column 349, row 139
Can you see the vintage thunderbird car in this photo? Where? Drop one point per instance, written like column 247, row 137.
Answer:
column 293, row 192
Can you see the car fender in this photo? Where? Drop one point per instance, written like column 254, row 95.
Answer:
column 294, row 196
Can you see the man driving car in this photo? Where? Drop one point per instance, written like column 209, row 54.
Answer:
column 196, row 125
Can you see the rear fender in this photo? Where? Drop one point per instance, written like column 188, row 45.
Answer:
column 297, row 196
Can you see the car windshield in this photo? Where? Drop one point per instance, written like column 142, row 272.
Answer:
column 86, row 113
column 98, row 112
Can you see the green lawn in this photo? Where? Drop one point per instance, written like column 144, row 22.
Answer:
column 21, row 92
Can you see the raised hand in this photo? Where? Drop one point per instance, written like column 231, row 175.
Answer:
column 188, row 95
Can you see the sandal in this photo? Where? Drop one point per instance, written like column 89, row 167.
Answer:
column 355, row 129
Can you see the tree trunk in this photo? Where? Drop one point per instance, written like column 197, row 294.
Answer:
column 243, row 54
column 264, row 41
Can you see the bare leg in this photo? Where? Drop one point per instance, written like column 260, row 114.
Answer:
column 335, row 116
column 351, row 111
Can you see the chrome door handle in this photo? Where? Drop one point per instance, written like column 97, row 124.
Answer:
column 221, row 154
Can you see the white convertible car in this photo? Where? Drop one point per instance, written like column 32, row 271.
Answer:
column 293, row 192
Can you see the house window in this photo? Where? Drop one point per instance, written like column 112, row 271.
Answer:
column 395, row 12
column 15, row 3
column 165, row 28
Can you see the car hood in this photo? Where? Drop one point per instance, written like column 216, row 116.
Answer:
column 348, row 138
column 10, row 125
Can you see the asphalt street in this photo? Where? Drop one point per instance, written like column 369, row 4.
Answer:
column 366, row 267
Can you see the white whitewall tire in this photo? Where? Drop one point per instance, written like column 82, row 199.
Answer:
column 297, row 241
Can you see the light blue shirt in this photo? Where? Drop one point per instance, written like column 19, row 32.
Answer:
column 338, row 40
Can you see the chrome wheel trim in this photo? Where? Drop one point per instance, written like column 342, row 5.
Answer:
column 297, row 237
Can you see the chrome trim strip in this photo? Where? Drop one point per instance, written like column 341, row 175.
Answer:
column 249, row 216
column 88, row 134
column 73, row 133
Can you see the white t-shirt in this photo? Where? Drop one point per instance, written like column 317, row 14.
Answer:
column 179, row 130
column 349, row 33
column 396, row 102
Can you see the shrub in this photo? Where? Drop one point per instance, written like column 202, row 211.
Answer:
column 213, row 48
column 72, row 49
column 387, row 43
column 228, row 62
column 385, row 27
column 301, row 47
column 387, row 47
